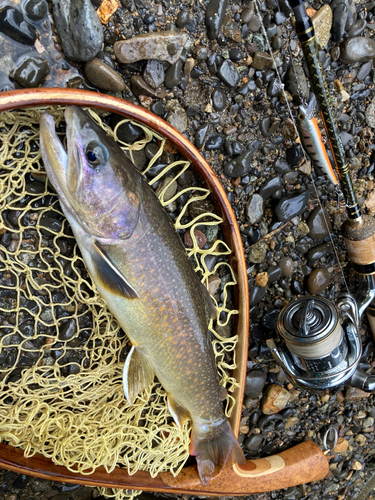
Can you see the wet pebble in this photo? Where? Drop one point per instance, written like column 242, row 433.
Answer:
column 255, row 208
column 163, row 46
column 67, row 330
column 36, row 10
column 358, row 28
column 215, row 13
column 154, row 73
column 129, row 133
column 296, row 83
column 219, row 99
column 31, row 72
column 255, row 381
column 289, row 207
column 140, row 87
column 319, row 251
column 256, row 294
column 319, row 223
column 340, row 15
column 213, row 142
column 240, row 165
column 364, row 70
column 318, row 280
column 262, row 61
column 227, row 72
column 200, row 136
column 50, row 226
column 253, row 442
column 79, row 28
column 14, row 25
column 201, row 240
column 357, row 49
column 103, row 76
column 173, row 74
column 177, row 118
column 271, row 187
column 286, row 265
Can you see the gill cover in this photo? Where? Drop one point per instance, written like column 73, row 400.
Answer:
column 96, row 182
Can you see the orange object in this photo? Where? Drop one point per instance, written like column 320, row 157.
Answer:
column 107, row 9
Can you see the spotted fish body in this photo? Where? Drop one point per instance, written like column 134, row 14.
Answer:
column 311, row 139
column 140, row 267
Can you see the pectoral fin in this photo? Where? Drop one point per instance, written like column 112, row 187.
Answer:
column 210, row 304
column 138, row 374
column 178, row 412
column 109, row 276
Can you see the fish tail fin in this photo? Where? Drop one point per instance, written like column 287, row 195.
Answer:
column 222, row 449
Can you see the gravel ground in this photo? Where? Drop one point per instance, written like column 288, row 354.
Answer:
column 206, row 69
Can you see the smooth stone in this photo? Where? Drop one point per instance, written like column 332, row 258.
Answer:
column 256, row 294
column 319, row 224
column 214, row 17
column 254, row 24
column 79, row 28
column 319, row 251
column 254, row 383
column 214, row 142
column 257, row 252
column 170, row 191
column 253, row 442
column 106, row 58
column 154, row 73
column 129, row 133
column 269, row 320
column 318, row 280
column 357, row 49
column 280, row 17
column 173, row 74
column 240, row 166
column 103, row 76
column 358, row 28
column 294, row 155
column 36, row 10
column 247, row 14
column 303, row 245
column 255, row 208
column 157, row 108
column 281, row 167
column 200, row 136
column 271, row 187
column 345, row 138
column 163, row 46
column 228, row 74
column 31, row 72
column 140, row 87
column 235, row 55
column 370, row 114
column 322, row 22
column 274, row 273
column 286, row 265
column 364, row 70
column 340, row 15
column 296, row 83
column 67, row 330
column 21, row 482
column 50, row 226
column 275, row 399
column 183, row 17
column 261, row 61
column 177, row 118
column 14, row 25
column 219, row 99
column 290, row 206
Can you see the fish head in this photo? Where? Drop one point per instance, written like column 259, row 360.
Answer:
column 306, row 111
column 96, row 182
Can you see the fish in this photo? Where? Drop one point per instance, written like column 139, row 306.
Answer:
column 311, row 139
column 139, row 266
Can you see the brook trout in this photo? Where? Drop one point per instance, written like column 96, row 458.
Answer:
column 311, row 139
column 140, row 267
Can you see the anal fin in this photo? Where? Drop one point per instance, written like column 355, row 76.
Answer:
column 178, row 412
column 138, row 374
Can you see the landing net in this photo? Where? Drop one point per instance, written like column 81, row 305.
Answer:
column 61, row 351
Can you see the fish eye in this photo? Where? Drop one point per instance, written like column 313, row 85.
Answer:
column 96, row 154
column 301, row 116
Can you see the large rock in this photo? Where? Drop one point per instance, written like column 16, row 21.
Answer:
column 79, row 27
column 215, row 13
column 163, row 46
column 357, row 49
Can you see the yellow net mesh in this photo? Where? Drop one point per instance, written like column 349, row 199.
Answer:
column 61, row 351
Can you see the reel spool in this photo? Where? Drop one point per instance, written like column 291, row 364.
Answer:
column 322, row 346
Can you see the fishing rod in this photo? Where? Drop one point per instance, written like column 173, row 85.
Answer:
column 322, row 346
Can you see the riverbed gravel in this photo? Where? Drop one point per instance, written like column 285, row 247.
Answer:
column 205, row 68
